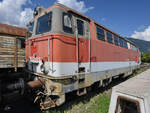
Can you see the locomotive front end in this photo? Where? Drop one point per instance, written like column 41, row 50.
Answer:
column 51, row 50
column 48, row 51
column 37, row 46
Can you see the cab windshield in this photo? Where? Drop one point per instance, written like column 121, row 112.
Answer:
column 44, row 23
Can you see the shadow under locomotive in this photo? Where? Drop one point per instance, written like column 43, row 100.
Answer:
column 26, row 106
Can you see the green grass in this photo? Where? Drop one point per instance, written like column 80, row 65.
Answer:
column 97, row 104
column 103, row 103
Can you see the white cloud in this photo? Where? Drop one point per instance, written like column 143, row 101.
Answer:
column 75, row 4
column 12, row 12
column 144, row 35
column 142, row 27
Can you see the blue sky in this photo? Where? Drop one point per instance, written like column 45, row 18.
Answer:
column 126, row 17
column 122, row 16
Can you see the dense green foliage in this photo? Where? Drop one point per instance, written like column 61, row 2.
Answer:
column 146, row 57
column 143, row 45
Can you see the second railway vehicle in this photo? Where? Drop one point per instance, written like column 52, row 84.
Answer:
column 69, row 52
column 14, row 82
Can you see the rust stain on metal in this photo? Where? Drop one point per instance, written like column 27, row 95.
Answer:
column 13, row 30
column 47, row 104
column 37, row 83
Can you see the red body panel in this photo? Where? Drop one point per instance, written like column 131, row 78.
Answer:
column 102, row 51
column 63, row 48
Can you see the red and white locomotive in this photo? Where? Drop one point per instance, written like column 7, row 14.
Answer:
column 70, row 52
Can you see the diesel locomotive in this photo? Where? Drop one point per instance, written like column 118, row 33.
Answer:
column 70, row 52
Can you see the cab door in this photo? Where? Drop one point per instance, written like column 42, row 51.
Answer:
column 82, row 44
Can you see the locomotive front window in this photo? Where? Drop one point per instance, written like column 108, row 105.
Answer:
column 67, row 23
column 44, row 23
column 100, row 33
column 80, row 27
column 109, row 37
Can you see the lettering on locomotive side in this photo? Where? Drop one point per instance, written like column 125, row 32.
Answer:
column 35, row 59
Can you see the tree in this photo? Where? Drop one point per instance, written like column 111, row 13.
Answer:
column 146, row 57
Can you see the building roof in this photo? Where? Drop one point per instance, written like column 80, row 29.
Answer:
column 138, row 86
column 13, row 30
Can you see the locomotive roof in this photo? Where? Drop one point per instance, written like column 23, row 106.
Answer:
column 138, row 86
column 83, row 16
column 13, row 30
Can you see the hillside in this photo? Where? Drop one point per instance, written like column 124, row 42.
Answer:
column 142, row 44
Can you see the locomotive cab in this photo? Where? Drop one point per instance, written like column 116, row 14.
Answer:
column 59, row 41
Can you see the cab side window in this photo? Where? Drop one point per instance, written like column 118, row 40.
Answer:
column 116, row 40
column 80, row 27
column 125, row 44
column 121, row 42
column 100, row 33
column 109, row 37
column 67, row 23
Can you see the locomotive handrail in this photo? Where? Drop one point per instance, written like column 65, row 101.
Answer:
column 53, row 78
column 77, row 47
